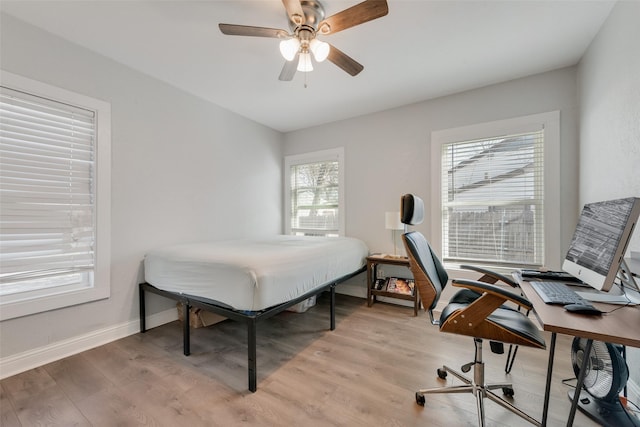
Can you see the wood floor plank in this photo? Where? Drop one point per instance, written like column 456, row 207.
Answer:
column 111, row 407
column 77, row 377
column 22, row 386
column 363, row 373
column 8, row 417
column 39, row 400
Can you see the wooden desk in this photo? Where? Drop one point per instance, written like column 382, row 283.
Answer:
column 618, row 327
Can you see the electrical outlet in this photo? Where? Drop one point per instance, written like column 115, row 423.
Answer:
column 380, row 273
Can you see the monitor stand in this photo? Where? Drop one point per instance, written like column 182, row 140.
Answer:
column 626, row 292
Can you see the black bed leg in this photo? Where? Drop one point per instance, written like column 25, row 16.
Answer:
column 252, row 355
column 186, row 331
column 333, row 307
column 143, row 316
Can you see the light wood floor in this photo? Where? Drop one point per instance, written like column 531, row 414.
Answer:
column 364, row 373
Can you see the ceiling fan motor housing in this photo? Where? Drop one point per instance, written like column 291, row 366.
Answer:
column 313, row 15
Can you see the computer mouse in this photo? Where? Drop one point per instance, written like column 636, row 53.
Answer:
column 582, row 309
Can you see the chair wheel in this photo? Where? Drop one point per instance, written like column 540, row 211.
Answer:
column 420, row 398
column 442, row 373
column 508, row 391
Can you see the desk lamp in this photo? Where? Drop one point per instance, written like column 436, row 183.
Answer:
column 393, row 223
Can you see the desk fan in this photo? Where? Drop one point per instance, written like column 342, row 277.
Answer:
column 607, row 373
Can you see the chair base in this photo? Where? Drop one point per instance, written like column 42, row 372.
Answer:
column 477, row 387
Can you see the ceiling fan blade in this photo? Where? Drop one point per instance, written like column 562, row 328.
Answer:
column 289, row 70
column 355, row 15
column 344, row 61
column 294, row 10
column 247, row 30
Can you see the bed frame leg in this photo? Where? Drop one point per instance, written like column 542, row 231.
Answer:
column 333, row 307
column 186, row 331
column 252, row 355
column 143, row 316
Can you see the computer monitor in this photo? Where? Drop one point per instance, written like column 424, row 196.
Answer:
column 600, row 241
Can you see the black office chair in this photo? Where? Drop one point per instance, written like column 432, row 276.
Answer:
column 478, row 310
column 416, row 216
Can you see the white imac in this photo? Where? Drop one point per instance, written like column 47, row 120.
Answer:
column 596, row 252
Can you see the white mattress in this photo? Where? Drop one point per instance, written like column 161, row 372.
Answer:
column 252, row 275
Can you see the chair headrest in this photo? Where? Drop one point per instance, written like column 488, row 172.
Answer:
column 411, row 210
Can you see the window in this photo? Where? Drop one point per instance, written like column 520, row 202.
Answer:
column 314, row 194
column 54, row 197
column 492, row 191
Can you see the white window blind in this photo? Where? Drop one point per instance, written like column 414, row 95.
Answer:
column 314, row 193
column 315, row 198
column 47, row 189
column 492, row 200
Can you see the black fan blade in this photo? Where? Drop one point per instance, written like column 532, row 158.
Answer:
column 355, row 15
column 289, row 69
column 247, row 30
column 344, row 61
column 294, row 10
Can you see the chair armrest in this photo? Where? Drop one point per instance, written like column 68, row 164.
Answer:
column 494, row 275
column 483, row 287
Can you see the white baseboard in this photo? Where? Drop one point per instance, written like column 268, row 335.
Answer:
column 21, row 362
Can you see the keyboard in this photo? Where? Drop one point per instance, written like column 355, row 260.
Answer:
column 548, row 275
column 557, row 293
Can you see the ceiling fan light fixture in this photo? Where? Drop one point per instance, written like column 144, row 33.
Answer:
column 304, row 63
column 320, row 49
column 289, row 48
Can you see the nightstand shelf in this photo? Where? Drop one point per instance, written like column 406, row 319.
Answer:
column 373, row 261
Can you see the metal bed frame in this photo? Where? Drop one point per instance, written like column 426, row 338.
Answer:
column 251, row 318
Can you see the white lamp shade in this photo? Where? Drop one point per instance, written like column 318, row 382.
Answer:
column 289, row 48
column 320, row 49
column 304, row 63
column 392, row 221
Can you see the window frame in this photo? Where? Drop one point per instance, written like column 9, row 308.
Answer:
column 315, row 157
column 550, row 122
column 27, row 303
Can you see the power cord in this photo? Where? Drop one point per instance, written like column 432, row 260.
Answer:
column 624, row 289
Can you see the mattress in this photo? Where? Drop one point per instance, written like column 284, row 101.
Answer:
column 252, row 275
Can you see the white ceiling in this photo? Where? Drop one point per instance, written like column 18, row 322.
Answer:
column 422, row 49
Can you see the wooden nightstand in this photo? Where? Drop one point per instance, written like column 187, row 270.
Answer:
column 372, row 272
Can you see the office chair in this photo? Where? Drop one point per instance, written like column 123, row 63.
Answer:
column 477, row 310
column 488, row 276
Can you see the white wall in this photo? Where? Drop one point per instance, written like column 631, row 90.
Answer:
column 388, row 154
column 183, row 170
column 609, row 83
column 609, row 88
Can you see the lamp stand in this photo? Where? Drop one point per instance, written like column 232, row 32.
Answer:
column 395, row 244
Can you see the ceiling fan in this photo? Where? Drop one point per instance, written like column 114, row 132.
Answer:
column 307, row 21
